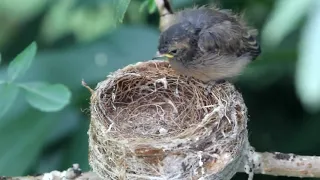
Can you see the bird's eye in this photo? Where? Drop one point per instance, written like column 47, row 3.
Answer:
column 173, row 51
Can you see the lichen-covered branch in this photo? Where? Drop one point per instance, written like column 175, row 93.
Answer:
column 84, row 176
column 280, row 164
column 51, row 176
column 73, row 173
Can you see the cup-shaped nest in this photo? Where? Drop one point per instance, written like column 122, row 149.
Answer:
column 147, row 122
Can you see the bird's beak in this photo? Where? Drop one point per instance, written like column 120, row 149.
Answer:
column 167, row 55
column 158, row 55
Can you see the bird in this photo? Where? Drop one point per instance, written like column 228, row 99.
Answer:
column 208, row 43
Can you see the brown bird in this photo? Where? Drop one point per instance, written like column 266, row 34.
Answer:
column 208, row 43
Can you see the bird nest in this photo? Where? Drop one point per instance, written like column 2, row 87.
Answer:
column 147, row 122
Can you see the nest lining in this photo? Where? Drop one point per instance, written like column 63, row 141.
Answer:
column 147, row 122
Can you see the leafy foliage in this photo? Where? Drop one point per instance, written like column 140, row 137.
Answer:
column 47, row 97
column 286, row 15
column 307, row 79
column 41, row 95
column 150, row 5
column 8, row 93
column 23, row 143
column 22, row 62
column 121, row 8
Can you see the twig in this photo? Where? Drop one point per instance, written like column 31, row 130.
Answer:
column 84, row 176
column 73, row 173
column 86, row 86
column 280, row 164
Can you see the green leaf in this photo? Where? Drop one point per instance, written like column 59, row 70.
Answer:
column 152, row 6
column 8, row 94
column 22, row 141
column 283, row 19
column 0, row 58
column 86, row 20
column 21, row 63
column 308, row 65
column 46, row 97
column 120, row 8
column 143, row 5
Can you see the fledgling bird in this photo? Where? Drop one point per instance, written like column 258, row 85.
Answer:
column 208, row 43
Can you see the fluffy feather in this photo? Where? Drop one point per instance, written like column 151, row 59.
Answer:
column 208, row 43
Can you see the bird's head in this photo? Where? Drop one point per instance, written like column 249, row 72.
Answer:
column 178, row 41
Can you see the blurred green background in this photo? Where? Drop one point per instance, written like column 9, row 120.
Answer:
column 84, row 39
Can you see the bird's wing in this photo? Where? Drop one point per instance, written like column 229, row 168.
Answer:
column 250, row 45
column 228, row 38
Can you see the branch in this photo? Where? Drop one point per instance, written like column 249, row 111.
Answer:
column 73, row 173
column 280, row 164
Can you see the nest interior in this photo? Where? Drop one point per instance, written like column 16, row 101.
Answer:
column 149, row 122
